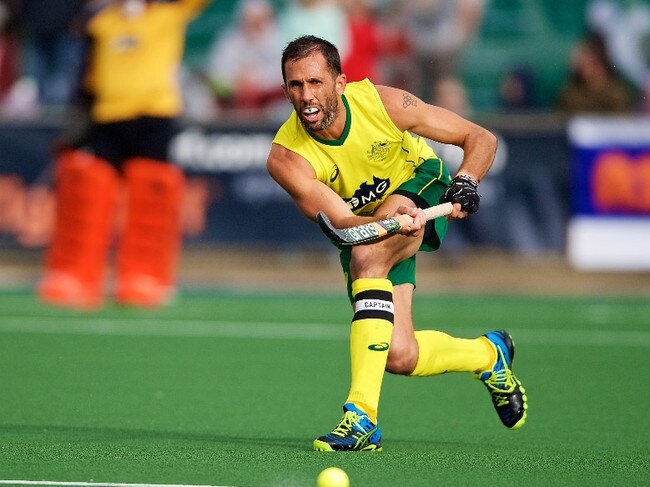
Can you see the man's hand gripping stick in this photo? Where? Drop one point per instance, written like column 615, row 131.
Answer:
column 371, row 232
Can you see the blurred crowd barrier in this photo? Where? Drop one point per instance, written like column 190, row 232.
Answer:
column 554, row 183
column 231, row 199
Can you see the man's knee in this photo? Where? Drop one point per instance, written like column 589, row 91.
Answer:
column 401, row 360
column 368, row 260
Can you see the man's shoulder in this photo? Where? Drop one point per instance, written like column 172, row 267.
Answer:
column 363, row 93
column 363, row 86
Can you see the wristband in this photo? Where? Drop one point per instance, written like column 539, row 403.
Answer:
column 468, row 179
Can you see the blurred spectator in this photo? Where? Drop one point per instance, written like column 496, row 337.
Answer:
column 450, row 93
column 8, row 47
column 644, row 97
column 323, row 18
column 26, row 212
column 396, row 50
column 439, row 30
column 363, row 57
column 593, row 85
column 626, row 33
column 243, row 65
column 56, row 46
column 131, row 91
column 517, row 90
column 12, row 197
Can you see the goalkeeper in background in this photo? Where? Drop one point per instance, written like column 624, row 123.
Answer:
column 348, row 150
column 131, row 96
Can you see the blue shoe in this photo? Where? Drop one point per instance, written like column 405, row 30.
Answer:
column 508, row 395
column 355, row 432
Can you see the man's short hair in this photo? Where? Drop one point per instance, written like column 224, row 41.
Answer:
column 307, row 45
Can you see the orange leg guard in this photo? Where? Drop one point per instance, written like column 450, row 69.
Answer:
column 75, row 262
column 151, row 239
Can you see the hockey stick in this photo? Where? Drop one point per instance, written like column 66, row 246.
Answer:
column 370, row 232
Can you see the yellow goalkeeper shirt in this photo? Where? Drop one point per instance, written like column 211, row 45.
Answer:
column 135, row 58
column 370, row 160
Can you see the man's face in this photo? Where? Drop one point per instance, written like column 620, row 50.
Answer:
column 313, row 91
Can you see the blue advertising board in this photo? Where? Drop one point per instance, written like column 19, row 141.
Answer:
column 610, row 193
column 610, row 166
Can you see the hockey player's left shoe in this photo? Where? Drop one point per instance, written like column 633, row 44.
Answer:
column 508, row 395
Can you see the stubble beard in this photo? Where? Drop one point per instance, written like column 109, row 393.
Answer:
column 329, row 110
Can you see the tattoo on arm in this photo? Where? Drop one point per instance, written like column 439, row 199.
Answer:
column 409, row 101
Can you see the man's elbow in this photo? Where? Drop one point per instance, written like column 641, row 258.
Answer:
column 488, row 141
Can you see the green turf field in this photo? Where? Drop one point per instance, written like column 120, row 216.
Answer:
column 230, row 389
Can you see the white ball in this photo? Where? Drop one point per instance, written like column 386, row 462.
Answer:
column 332, row 477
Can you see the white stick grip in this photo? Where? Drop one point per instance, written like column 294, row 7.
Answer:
column 430, row 213
column 437, row 211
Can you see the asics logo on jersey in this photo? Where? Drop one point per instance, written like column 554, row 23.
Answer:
column 367, row 193
column 334, row 174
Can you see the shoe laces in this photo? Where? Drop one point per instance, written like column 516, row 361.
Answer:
column 342, row 429
column 501, row 382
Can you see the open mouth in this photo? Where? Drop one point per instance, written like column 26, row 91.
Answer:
column 310, row 113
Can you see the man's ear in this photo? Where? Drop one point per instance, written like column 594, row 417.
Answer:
column 285, row 91
column 341, row 81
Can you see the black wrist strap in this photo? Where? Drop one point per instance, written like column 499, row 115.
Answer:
column 467, row 179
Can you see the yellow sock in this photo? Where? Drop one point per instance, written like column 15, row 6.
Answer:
column 370, row 333
column 440, row 353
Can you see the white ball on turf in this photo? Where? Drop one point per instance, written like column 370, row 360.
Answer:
column 332, row 477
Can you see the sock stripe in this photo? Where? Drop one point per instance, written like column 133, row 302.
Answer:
column 367, row 314
column 377, row 294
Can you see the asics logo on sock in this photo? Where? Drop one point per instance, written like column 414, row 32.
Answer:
column 379, row 347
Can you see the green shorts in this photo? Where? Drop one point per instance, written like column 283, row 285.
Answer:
column 424, row 189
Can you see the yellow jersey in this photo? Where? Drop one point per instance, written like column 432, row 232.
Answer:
column 135, row 58
column 370, row 160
